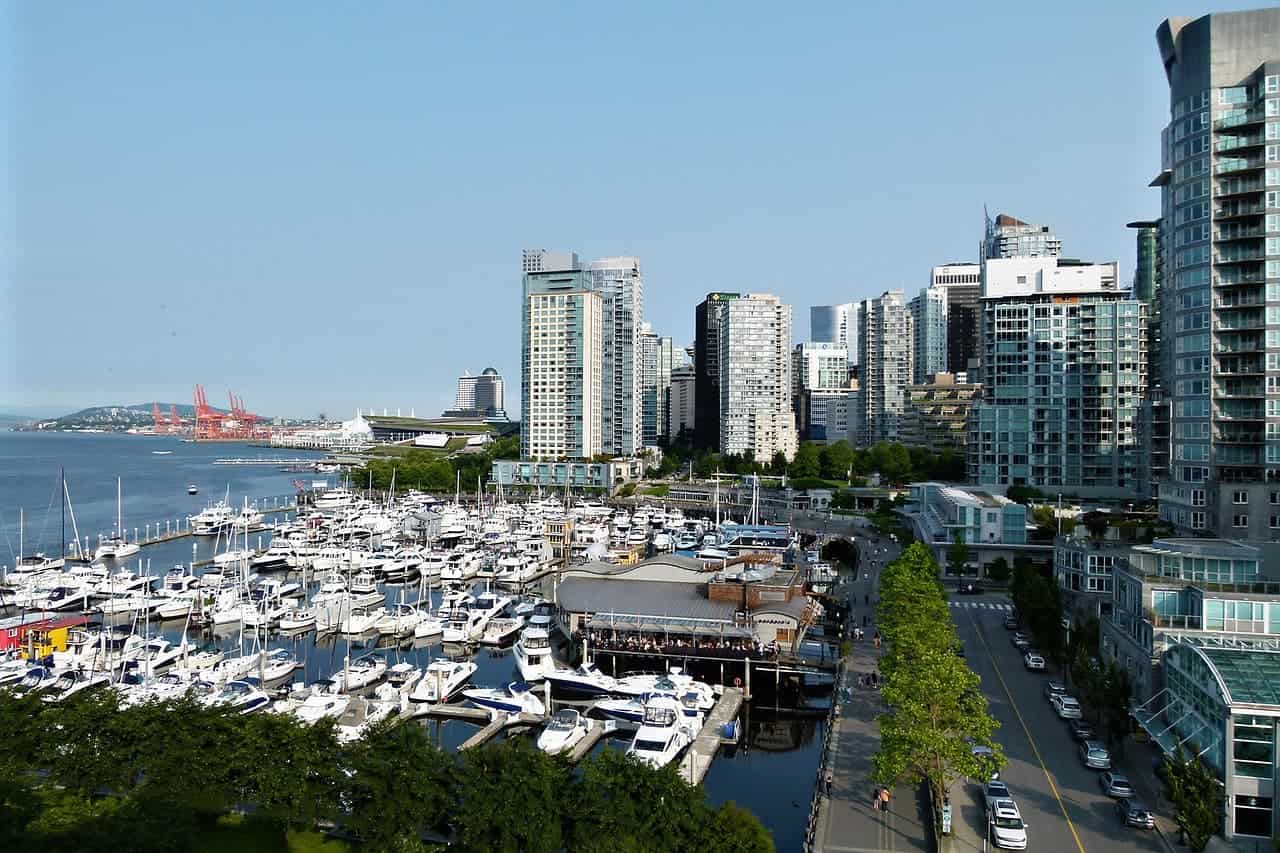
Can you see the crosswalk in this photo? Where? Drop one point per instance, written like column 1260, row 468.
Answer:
column 983, row 605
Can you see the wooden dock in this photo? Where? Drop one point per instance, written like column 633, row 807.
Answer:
column 596, row 729
column 500, row 722
column 697, row 759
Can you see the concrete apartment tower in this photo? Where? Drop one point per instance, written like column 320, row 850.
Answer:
column 929, row 321
column 886, row 365
column 836, row 324
column 1220, row 301
column 754, row 362
column 820, row 390
column 621, row 287
column 561, row 358
column 706, row 364
column 1007, row 237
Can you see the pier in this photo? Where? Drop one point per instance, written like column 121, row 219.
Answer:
column 275, row 460
column 596, row 729
column 697, row 759
column 500, row 722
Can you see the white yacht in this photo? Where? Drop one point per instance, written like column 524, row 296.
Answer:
column 360, row 717
column 321, row 702
column 563, row 732
column 516, row 698
column 663, row 734
column 240, row 696
column 212, row 520
column 360, row 673
column 399, row 620
column 533, row 654
column 442, row 680
column 361, row 620
column 299, row 619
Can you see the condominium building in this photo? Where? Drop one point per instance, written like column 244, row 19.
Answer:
column 1063, row 372
column 1153, row 416
column 706, row 362
column 755, row 377
column 993, row 526
column 621, row 287
column 819, row 380
column 929, row 323
column 886, row 359
column 658, row 357
column 836, row 324
column 1007, row 237
column 963, row 284
column 937, row 412
column 561, row 357
column 1220, row 299
column 680, row 409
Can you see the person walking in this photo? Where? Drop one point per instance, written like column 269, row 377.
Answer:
column 875, row 800
column 826, row 780
column 876, row 639
column 884, row 799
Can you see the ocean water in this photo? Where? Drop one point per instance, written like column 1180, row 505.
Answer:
column 770, row 772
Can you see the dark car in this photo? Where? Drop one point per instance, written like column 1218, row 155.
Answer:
column 1011, row 622
column 1134, row 813
column 970, row 589
column 1080, row 730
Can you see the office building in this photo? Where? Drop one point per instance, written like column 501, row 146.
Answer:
column 1195, row 624
column 1007, row 237
column 1063, row 372
column 1220, row 293
column 937, row 412
column 706, row 362
column 963, row 284
column 885, row 364
column 825, row 414
column 929, row 325
column 681, row 408
column 561, row 359
column 755, row 377
column 836, row 324
column 621, row 287
column 479, row 396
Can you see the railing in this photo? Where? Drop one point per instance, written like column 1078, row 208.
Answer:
column 1236, row 119
column 828, row 758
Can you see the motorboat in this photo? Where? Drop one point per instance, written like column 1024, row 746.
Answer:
column 516, row 698
column 675, row 683
column 241, row 696
column 442, row 680
column 205, row 657
column 360, row 673
column 662, row 735
column 171, row 685
column 281, row 555
column 401, row 679
column 12, row 669
column 73, row 681
column 268, row 612
column 299, row 619
column 361, row 620
column 321, row 701
column 563, row 732
column 501, row 631
column 133, row 604
column 233, row 557
column 212, row 520
column 533, row 654
column 585, row 682
column 36, row 679
column 64, row 597
column 277, row 667
column 158, row 654
column 429, row 626
column 360, row 717
column 115, row 547
column 399, row 620
column 232, row 668
column 193, row 489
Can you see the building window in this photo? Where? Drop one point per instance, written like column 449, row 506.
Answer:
column 1275, row 522
column 1240, row 521
column 1197, row 520
column 1240, row 497
column 1253, row 816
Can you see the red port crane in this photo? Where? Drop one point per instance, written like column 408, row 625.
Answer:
column 237, row 425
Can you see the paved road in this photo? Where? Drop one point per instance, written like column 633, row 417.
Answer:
column 1059, row 798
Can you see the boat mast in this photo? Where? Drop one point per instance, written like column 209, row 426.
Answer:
column 63, row 553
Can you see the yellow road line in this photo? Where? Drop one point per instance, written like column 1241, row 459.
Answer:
column 1014, row 705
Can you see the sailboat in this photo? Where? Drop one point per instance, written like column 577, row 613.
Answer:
column 117, row 546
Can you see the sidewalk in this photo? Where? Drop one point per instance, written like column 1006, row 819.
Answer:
column 846, row 822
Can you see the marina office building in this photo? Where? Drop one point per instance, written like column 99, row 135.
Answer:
column 1196, row 624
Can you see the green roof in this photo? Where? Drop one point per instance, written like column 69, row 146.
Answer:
column 1251, row 677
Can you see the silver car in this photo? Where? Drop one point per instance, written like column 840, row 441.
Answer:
column 1115, row 784
column 1095, row 756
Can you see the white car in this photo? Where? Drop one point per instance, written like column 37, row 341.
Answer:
column 1005, row 826
column 1033, row 661
column 1066, row 707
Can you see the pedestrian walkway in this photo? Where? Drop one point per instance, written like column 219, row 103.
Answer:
column 846, row 823
column 982, row 605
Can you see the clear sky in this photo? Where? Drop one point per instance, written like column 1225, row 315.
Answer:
column 322, row 206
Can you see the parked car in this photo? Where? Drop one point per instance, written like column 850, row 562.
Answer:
column 1134, row 813
column 1115, row 784
column 1020, row 640
column 1094, row 755
column 1005, row 826
column 1011, row 622
column 1053, row 688
column 1066, row 706
column 1081, row 730
column 970, row 589
column 996, row 790
column 1033, row 661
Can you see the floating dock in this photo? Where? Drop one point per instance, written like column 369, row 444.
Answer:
column 697, row 759
column 596, row 729
column 500, row 722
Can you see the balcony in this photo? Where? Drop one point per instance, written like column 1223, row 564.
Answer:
column 1184, row 623
column 1237, row 187
column 1241, row 256
column 1238, row 300
column 1237, row 209
column 1239, row 390
column 1239, row 412
column 1239, row 232
column 1237, row 143
column 1251, row 322
column 1239, row 118
column 1234, row 165
column 1239, row 277
column 1238, row 436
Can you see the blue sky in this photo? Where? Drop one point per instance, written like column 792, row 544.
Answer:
column 322, row 206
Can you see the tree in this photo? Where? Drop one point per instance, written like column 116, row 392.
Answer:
column 1197, row 799
column 892, row 460
column 487, row 816
column 1097, row 524
column 958, row 555
column 778, row 465
column 806, row 462
column 835, row 461
column 998, row 570
column 398, row 787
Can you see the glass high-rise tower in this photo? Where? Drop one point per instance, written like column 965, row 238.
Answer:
column 1220, row 301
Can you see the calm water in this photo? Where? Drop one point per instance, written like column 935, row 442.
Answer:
column 771, row 772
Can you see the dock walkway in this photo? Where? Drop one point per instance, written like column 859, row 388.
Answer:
column 697, row 759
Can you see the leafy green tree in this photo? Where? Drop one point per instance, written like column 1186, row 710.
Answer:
column 835, row 460
column 958, row 555
column 892, row 460
column 806, row 462
column 736, row 830
column 1197, row 799
column 998, row 570
column 487, row 816
column 399, row 785
column 778, row 465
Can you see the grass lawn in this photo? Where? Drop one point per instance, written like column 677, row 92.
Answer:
column 235, row 834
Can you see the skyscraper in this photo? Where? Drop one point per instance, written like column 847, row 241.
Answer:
column 929, row 323
column 1153, row 417
column 1220, row 299
column 560, row 360
column 680, row 410
column 836, row 324
column 1063, row 371
column 1007, row 237
column 963, row 283
column 885, row 364
column 621, row 288
column 755, row 377
column 706, row 363
column 479, row 396
column 819, row 380
column 657, row 358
